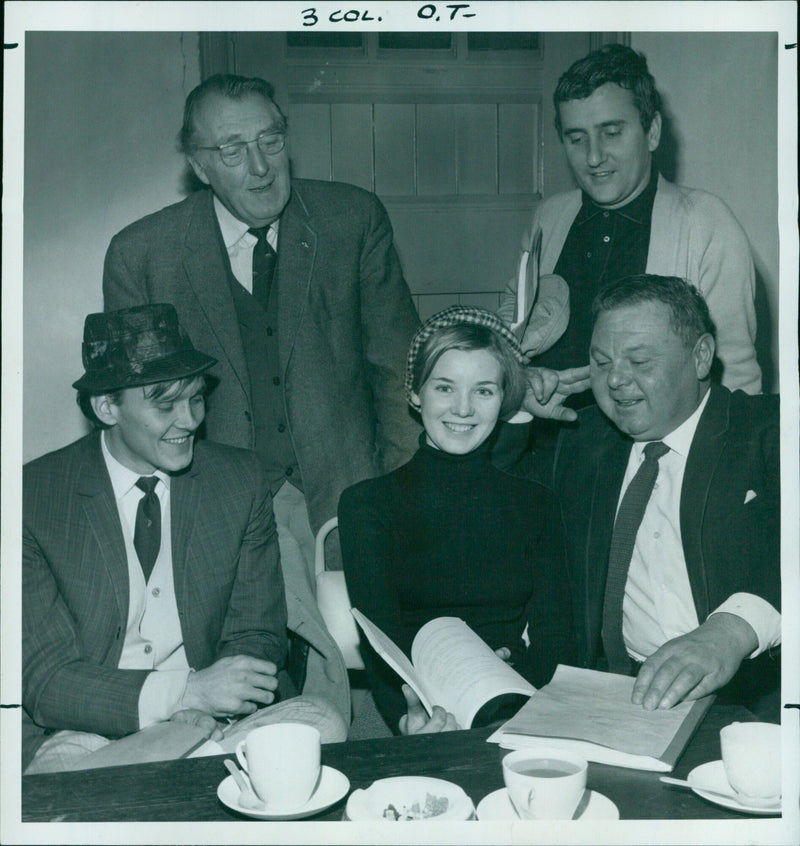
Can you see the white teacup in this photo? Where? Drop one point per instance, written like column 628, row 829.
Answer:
column 544, row 784
column 751, row 755
column 283, row 762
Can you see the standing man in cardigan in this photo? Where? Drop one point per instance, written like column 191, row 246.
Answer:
column 626, row 219
column 295, row 288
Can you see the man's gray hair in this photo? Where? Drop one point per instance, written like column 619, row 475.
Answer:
column 227, row 85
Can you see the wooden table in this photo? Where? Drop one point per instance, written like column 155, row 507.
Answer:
column 185, row 790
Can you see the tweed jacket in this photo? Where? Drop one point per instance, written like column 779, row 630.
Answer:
column 694, row 235
column 75, row 589
column 729, row 507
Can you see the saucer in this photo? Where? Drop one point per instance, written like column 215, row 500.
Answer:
column 413, row 798
column 712, row 775
column 332, row 786
column 497, row 806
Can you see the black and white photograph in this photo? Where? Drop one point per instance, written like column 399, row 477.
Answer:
column 400, row 423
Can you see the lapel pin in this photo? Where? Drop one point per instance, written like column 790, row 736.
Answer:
column 304, row 244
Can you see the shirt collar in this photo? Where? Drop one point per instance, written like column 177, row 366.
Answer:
column 679, row 440
column 233, row 229
column 639, row 209
column 123, row 479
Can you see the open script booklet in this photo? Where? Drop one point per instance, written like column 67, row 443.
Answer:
column 451, row 666
column 591, row 713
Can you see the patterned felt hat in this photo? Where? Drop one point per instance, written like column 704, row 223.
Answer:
column 451, row 317
column 137, row 346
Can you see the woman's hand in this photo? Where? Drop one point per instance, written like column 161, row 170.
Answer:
column 504, row 654
column 416, row 720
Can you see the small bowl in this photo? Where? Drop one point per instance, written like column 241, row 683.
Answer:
column 410, row 798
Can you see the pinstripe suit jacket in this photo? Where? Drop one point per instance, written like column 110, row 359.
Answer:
column 227, row 575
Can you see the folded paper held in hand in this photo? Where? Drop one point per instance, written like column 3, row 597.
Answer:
column 591, row 713
column 542, row 302
column 451, row 666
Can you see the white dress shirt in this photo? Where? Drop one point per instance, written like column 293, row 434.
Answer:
column 658, row 604
column 239, row 244
column 153, row 638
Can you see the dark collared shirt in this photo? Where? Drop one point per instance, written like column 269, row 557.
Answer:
column 602, row 245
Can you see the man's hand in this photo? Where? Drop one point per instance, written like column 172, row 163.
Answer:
column 416, row 721
column 193, row 717
column 695, row 664
column 238, row 684
column 547, row 390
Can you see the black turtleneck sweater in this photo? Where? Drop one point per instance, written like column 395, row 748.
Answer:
column 451, row 535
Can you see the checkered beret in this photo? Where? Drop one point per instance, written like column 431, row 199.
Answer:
column 452, row 316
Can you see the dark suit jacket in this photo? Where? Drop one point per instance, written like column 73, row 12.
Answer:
column 730, row 545
column 228, row 582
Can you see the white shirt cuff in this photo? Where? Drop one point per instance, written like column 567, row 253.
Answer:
column 160, row 696
column 764, row 619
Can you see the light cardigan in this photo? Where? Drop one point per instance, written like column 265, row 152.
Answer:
column 694, row 235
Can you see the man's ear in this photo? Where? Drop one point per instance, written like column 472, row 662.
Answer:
column 703, row 355
column 654, row 133
column 105, row 410
column 198, row 169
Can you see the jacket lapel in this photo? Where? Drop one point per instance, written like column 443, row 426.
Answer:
column 100, row 507
column 608, row 475
column 184, row 506
column 206, row 266
column 297, row 250
column 701, row 463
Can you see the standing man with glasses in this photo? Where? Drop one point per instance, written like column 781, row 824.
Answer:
column 295, row 288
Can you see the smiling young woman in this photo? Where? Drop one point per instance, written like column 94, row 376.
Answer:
column 449, row 534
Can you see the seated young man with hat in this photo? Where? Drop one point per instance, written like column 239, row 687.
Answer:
column 152, row 587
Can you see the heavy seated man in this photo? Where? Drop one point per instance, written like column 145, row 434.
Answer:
column 688, row 588
column 152, row 587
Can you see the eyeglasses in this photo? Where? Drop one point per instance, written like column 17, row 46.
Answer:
column 268, row 143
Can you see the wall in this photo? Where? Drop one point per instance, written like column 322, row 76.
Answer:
column 720, row 92
column 102, row 109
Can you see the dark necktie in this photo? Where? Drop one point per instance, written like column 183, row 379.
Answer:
column 629, row 518
column 264, row 261
column 147, row 534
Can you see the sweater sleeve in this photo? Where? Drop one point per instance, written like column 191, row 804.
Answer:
column 726, row 278
column 694, row 235
column 367, row 559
